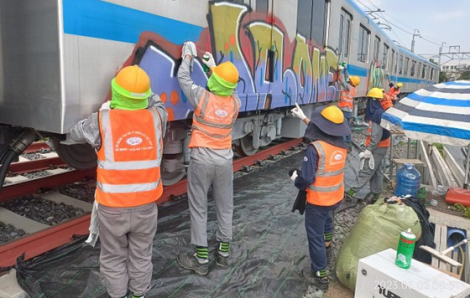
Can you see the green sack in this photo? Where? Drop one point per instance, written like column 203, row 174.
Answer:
column 377, row 228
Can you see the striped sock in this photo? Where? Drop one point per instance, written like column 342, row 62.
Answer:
column 202, row 252
column 351, row 192
column 322, row 273
column 328, row 236
column 224, row 248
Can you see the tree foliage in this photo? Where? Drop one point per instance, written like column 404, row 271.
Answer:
column 442, row 77
column 465, row 75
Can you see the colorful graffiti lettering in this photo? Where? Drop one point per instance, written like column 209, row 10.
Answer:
column 274, row 71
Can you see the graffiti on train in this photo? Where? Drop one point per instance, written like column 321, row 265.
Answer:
column 274, row 71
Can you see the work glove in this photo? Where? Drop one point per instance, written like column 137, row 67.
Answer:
column 94, row 226
column 105, row 105
column 367, row 154
column 297, row 112
column 189, row 48
column 371, row 162
column 293, row 176
column 209, row 63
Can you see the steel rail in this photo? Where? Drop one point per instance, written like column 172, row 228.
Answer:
column 36, row 165
column 50, row 238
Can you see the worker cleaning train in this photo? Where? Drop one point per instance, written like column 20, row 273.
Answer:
column 216, row 108
column 128, row 137
column 394, row 90
column 322, row 177
column 346, row 99
column 377, row 143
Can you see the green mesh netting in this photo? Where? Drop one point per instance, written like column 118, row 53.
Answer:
column 377, row 228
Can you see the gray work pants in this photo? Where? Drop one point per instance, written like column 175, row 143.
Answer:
column 374, row 176
column 126, row 236
column 200, row 178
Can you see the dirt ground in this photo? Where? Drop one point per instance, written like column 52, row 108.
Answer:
column 337, row 290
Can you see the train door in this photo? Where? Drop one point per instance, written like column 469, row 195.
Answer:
column 344, row 35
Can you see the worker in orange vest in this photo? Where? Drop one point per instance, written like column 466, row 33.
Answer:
column 322, row 176
column 348, row 92
column 128, row 139
column 216, row 109
column 377, row 144
column 386, row 102
column 394, row 91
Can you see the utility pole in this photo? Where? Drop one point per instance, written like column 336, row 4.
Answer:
column 413, row 41
column 440, row 53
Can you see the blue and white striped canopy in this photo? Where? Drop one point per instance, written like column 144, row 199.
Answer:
column 436, row 114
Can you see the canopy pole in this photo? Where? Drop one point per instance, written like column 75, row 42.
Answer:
column 465, row 181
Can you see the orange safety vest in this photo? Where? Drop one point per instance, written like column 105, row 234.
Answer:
column 328, row 188
column 393, row 93
column 213, row 120
column 382, row 144
column 128, row 172
column 386, row 102
column 346, row 100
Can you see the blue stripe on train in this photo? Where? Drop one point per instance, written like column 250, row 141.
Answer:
column 363, row 72
column 104, row 20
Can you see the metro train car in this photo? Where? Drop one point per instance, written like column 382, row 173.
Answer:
column 57, row 59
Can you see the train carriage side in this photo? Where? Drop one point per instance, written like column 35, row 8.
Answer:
column 60, row 72
column 286, row 51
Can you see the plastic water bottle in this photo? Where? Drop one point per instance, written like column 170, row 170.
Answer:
column 408, row 181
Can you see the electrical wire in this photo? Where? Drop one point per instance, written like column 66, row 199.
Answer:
column 396, row 26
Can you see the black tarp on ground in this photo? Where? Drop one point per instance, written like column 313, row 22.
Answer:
column 269, row 248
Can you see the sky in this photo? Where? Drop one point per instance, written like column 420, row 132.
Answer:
column 438, row 21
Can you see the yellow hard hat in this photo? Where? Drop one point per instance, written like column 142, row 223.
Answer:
column 399, row 85
column 375, row 93
column 132, row 82
column 355, row 80
column 329, row 120
column 333, row 114
column 226, row 74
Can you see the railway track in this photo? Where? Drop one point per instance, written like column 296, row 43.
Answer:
column 48, row 232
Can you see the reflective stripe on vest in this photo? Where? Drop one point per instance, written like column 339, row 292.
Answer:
column 328, row 188
column 129, row 159
column 213, row 120
column 382, row 144
column 346, row 100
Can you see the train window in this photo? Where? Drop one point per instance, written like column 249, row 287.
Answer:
column 405, row 68
column 400, row 65
column 262, row 5
column 431, row 77
column 413, row 68
column 318, row 21
column 385, row 55
column 418, row 70
column 393, row 61
column 311, row 20
column 344, row 35
column 341, row 32
column 363, row 44
column 376, row 48
column 423, row 75
column 304, row 18
column 348, row 37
